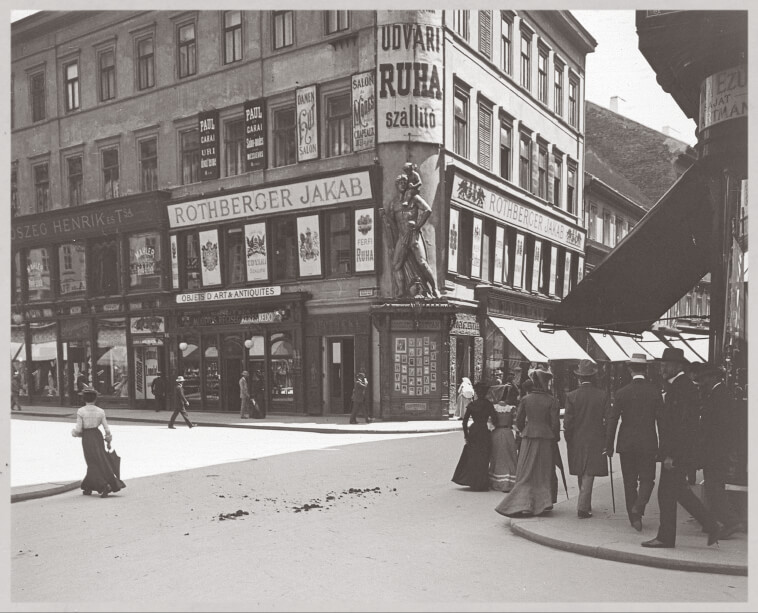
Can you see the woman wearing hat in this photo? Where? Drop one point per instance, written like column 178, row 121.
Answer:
column 503, row 456
column 100, row 476
column 473, row 466
column 538, row 419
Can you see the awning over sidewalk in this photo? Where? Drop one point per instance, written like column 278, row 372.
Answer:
column 700, row 343
column 536, row 345
column 652, row 345
column 658, row 262
column 611, row 347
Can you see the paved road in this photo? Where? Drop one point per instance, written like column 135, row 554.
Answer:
column 389, row 532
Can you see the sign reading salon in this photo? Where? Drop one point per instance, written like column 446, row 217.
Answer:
column 341, row 189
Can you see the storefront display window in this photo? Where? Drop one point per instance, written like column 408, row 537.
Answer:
column 72, row 269
column 145, row 261
column 192, row 262
column 211, row 369
column 104, row 267
column 281, row 351
column 236, row 262
column 339, row 258
column 44, row 366
column 111, row 375
column 38, row 274
column 284, row 240
column 18, row 358
column 189, row 367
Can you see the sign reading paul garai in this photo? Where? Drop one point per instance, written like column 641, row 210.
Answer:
column 340, row 189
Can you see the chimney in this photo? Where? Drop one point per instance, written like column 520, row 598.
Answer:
column 615, row 103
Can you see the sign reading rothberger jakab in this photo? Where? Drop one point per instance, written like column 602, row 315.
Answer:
column 255, row 135
column 306, row 124
column 409, row 76
column 209, row 150
column 364, row 125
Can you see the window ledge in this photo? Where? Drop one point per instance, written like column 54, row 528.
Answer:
column 343, row 41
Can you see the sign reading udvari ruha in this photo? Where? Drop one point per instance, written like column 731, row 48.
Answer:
column 350, row 187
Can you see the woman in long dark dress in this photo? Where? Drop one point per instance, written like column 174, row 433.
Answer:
column 100, row 476
column 473, row 466
column 538, row 419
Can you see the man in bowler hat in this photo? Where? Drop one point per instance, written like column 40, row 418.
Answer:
column 584, row 430
column 181, row 405
column 638, row 405
column 678, row 432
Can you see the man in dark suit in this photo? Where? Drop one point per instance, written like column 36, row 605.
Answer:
column 678, row 431
column 584, row 430
column 638, row 405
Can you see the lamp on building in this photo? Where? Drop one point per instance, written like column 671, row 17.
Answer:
column 249, row 343
column 182, row 345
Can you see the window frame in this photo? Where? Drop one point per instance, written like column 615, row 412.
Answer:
column 237, row 37
column 327, row 243
column 278, row 131
column 67, row 161
column 38, row 97
column 272, row 227
column 526, row 58
column 38, row 185
column 461, row 24
column 525, row 137
column 543, row 58
column 507, row 123
column 141, row 160
column 543, row 160
column 337, row 15
column 345, row 119
column 72, row 92
column 558, row 80
column 106, row 75
column 571, row 187
column 275, row 33
column 225, row 245
column 461, row 123
column 114, row 193
column 558, row 179
column 573, row 101
column 189, row 47
column 506, row 44
column 147, row 60
column 234, row 143
column 194, row 152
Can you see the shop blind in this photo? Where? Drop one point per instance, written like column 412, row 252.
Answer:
column 485, row 137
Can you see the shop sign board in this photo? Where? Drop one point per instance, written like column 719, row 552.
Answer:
column 567, row 275
column 149, row 324
column 309, row 248
column 336, row 189
column 174, row 262
column 256, row 252
column 147, row 340
column 233, row 316
column 244, row 293
column 518, row 265
column 255, row 135
column 364, row 240
column 723, row 96
column 465, row 325
column 306, row 124
column 364, row 115
column 476, row 248
column 498, row 206
column 452, row 243
column 499, row 246
column 209, row 145
column 536, row 266
column 553, row 269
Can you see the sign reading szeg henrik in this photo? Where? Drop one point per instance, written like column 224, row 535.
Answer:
column 409, row 74
column 341, row 189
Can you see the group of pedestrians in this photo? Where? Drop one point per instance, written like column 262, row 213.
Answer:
column 682, row 429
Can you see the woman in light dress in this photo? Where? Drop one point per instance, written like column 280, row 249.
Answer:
column 465, row 395
column 503, row 455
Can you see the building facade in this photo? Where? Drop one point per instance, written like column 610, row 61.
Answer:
column 203, row 192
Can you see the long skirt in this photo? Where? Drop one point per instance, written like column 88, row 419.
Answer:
column 99, row 475
column 503, row 460
column 460, row 405
column 473, row 466
column 531, row 495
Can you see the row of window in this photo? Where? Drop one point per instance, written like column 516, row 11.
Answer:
column 696, row 303
column 539, row 167
column 501, row 255
column 144, row 58
column 545, row 57
column 606, row 227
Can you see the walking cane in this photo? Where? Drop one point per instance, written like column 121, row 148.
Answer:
column 613, row 496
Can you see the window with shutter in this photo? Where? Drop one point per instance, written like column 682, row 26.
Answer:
column 485, row 33
column 550, row 178
column 485, row 137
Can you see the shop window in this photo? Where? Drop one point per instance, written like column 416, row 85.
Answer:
column 145, row 261
column 111, row 374
column 148, row 164
column 192, row 272
column 18, row 277
column 526, row 59
column 41, row 187
column 509, row 266
column 18, row 358
column 282, row 354
column 558, row 87
column 460, row 123
column 485, row 33
column 145, row 63
column 484, row 150
column 72, row 269
column 557, row 179
column 542, row 61
column 104, row 268
column 236, row 262
column 547, row 256
column 190, row 142
column 339, row 260
column 74, row 178
column 284, row 244
column 506, row 43
column 189, row 367
column 187, row 50
column 232, row 36
column 571, row 189
column 488, row 250
column 211, row 373
column 283, row 29
column 71, row 84
column 38, row 274
column 336, row 21
column 460, row 23
column 110, row 173
column 506, row 148
column 234, row 147
column 44, row 365
column 525, row 162
column 339, row 125
column 285, row 152
column 466, row 242
column 107, row 75
column 37, row 95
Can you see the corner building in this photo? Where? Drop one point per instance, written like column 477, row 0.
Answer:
column 203, row 192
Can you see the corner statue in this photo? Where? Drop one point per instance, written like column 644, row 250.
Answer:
column 411, row 273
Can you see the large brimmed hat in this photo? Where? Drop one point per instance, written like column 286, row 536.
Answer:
column 245, row 373
column 541, row 378
column 180, row 379
column 674, row 354
column 587, row 368
column 637, row 358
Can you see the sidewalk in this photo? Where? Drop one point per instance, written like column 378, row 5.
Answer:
column 610, row 536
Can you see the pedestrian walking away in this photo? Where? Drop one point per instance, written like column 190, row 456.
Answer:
column 638, row 405
column 678, row 435
column 473, row 466
column 259, row 403
column 100, row 475
column 358, row 399
column 246, row 409
column 182, row 404
column 464, row 396
column 158, row 387
column 503, row 455
column 587, row 408
column 538, row 421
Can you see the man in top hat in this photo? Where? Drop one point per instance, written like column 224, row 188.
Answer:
column 638, row 405
column 182, row 404
column 584, row 430
column 678, row 436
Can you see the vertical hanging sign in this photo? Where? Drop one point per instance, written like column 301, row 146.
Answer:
column 364, row 240
column 579, row 269
column 518, row 263
column 255, row 135
column 209, row 256
column 499, row 242
column 209, row 145
column 567, row 274
column 364, row 123
column 306, row 124
column 536, row 269
column 476, row 248
column 174, row 262
column 452, row 243
column 256, row 252
column 553, row 268
column 309, row 246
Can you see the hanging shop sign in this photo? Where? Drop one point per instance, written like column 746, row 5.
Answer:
column 723, row 96
column 536, row 262
column 474, row 196
column 174, row 262
column 209, row 145
column 149, row 324
column 409, row 74
column 338, row 189
column 364, row 123
column 476, row 247
column 309, row 247
column 364, row 240
column 255, row 135
column 465, row 325
column 209, row 257
column 452, row 243
column 306, row 124
column 255, row 252
column 567, row 275
column 245, row 293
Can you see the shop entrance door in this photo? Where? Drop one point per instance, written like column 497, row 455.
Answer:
column 233, row 356
column 340, row 360
column 464, row 358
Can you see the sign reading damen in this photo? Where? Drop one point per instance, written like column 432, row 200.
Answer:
column 255, row 135
column 209, row 146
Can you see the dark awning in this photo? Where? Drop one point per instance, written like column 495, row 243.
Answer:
column 657, row 263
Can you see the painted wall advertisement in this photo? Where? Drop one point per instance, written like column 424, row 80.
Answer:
column 306, row 124
column 255, row 250
column 567, row 275
column 452, row 243
column 364, row 123
column 209, row 257
column 536, row 268
column 309, row 246
column 518, row 262
column 209, row 145
column 255, row 135
column 476, row 248
column 553, row 268
column 364, row 240
column 409, row 76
